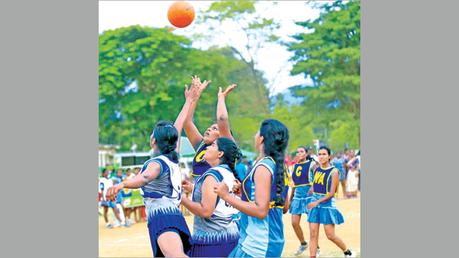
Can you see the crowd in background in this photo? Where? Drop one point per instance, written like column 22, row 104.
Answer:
column 121, row 207
column 347, row 162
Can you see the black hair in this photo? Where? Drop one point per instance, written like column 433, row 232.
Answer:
column 303, row 147
column 275, row 139
column 328, row 151
column 306, row 149
column 231, row 154
column 325, row 148
column 166, row 137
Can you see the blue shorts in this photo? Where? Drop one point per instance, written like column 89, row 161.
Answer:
column 109, row 204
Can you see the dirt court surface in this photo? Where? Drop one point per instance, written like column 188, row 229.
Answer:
column 135, row 242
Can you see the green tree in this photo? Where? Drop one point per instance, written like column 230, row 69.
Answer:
column 330, row 56
column 255, row 31
column 142, row 73
column 300, row 131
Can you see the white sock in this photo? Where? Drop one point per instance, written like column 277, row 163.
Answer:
column 120, row 211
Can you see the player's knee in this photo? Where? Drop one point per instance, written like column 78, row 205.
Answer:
column 295, row 224
column 330, row 235
column 313, row 233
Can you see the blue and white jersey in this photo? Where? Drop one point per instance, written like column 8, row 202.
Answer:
column 104, row 184
column 261, row 237
column 165, row 191
column 220, row 227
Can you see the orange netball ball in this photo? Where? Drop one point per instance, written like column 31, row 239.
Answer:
column 180, row 14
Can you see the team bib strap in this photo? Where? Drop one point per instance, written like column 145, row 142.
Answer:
column 273, row 205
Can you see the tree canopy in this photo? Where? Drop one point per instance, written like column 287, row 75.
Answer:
column 143, row 70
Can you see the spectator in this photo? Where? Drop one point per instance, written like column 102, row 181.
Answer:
column 118, row 178
column 338, row 162
column 137, row 210
column 104, row 184
column 352, row 181
column 129, row 174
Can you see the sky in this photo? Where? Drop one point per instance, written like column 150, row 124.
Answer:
column 272, row 59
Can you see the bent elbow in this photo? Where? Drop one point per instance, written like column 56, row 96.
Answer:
column 262, row 214
column 207, row 214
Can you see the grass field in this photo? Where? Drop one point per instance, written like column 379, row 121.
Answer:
column 135, row 242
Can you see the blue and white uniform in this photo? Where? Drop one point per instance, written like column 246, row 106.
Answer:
column 162, row 198
column 339, row 164
column 302, row 178
column 218, row 235
column 326, row 212
column 117, row 180
column 260, row 237
column 104, row 184
column 200, row 165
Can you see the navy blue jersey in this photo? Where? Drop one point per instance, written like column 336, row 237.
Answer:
column 199, row 164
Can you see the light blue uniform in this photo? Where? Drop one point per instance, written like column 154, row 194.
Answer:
column 326, row 212
column 302, row 178
column 260, row 237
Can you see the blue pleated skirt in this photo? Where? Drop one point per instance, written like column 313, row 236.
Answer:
column 325, row 213
column 300, row 200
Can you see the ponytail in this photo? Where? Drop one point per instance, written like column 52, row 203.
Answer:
column 276, row 136
column 166, row 136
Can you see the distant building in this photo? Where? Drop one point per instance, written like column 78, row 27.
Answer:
column 107, row 154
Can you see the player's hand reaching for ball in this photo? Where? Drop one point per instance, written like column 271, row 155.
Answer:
column 221, row 189
column 113, row 191
column 198, row 85
column 223, row 94
column 191, row 93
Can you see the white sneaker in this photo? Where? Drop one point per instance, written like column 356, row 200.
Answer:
column 318, row 252
column 301, row 249
column 108, row 225
column 350, row 255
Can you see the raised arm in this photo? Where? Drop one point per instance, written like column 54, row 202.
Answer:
column 191, row 130
column 222, row 112
column 260, row 207
column 141, row 179
column 190, row 98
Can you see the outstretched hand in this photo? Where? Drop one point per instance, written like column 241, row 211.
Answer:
column 191, row 93
column 227, row 90
column 200, row 86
